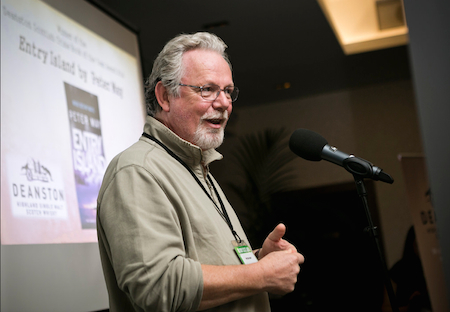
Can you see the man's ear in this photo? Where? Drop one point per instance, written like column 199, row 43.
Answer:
column 162, row 96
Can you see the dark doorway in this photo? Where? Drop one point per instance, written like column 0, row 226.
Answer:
column 342, row 270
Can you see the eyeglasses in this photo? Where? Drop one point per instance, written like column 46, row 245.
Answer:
column 210, row 92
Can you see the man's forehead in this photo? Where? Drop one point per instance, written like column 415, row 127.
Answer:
column 202, row 62
column 201, row 57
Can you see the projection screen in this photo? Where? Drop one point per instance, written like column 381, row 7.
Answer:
column 71, row 99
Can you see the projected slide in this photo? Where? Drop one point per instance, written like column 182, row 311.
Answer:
column 70, row 101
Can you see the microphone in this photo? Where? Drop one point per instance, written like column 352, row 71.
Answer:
column 312, row 146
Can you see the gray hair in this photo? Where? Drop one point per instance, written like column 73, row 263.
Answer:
column 168, row 66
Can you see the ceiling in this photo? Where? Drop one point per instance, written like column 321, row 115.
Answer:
column 270, row 43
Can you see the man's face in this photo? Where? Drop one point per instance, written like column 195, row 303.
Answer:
column 193, row 118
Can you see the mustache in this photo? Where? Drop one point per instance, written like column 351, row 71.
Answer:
column 216, row 115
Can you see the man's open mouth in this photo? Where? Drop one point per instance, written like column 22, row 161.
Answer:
column 214, row 121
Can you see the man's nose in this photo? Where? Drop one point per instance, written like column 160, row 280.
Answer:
column 222, row 102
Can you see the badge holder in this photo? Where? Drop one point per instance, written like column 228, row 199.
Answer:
column 244, row 252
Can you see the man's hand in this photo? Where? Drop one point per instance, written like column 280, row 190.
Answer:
column 280, row 262
column 275, row 242
column 280, row 270
column 276, row 273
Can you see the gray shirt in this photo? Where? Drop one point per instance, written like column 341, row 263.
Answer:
column 156, row 226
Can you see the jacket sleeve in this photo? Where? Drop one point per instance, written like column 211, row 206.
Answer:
column 145, row 244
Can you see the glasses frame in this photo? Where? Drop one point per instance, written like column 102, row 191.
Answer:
column 236, row 89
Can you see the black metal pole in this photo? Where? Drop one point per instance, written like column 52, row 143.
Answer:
column 372, row 231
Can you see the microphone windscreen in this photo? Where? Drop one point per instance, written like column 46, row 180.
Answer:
column 307, row 144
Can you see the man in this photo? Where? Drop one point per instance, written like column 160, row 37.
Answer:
column 167, row 234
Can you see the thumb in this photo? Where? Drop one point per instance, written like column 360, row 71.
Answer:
column 277, row 233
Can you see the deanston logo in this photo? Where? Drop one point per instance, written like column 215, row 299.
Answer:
column 39, row 178
column 35, row 171
column 36, row 189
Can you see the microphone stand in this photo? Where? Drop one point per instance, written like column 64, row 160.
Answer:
column 372, row 231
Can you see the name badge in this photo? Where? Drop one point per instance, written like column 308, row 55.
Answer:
column 244, row 252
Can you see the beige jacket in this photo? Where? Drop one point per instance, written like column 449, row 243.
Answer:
column 156, row 226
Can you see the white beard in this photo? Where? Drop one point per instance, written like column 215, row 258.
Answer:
column 207, row 138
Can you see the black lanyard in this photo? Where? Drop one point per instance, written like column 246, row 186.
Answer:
column 222, row 213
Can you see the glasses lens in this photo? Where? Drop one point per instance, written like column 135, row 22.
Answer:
column 232, row 93
column 211, row 92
